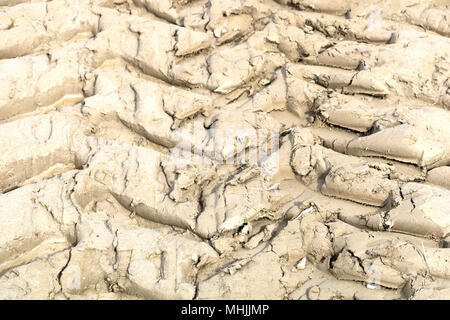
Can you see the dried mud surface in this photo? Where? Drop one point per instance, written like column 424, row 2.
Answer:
column 95, row 95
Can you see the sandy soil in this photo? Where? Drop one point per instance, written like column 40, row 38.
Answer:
column 246, row 149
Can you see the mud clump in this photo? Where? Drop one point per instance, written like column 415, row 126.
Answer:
column 224, row 149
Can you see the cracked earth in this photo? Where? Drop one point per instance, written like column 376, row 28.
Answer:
column 353, row 203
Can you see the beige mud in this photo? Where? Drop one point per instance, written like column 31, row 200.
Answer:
column 246, row 149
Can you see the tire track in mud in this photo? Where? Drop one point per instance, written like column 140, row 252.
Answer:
column 206, row 149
